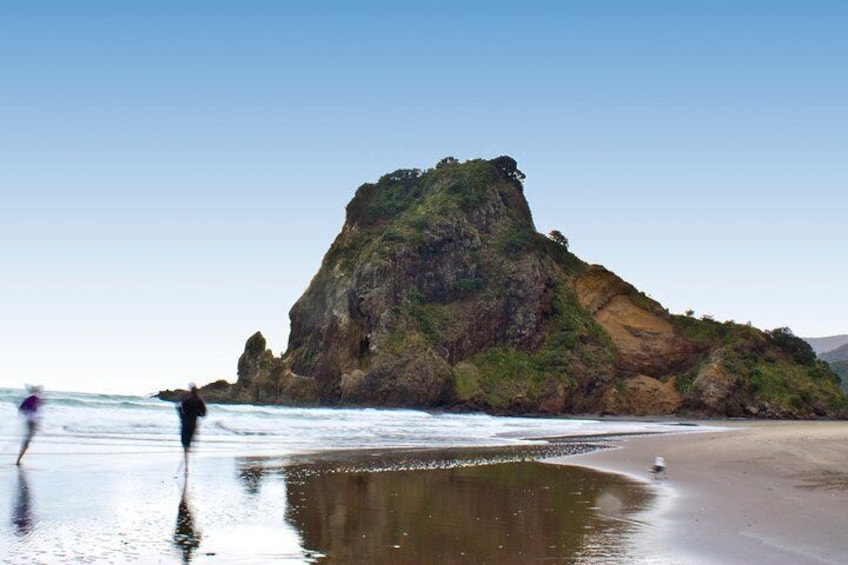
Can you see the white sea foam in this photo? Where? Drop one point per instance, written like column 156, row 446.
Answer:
column 104, row 423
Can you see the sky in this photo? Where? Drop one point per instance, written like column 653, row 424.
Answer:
column 172, row 172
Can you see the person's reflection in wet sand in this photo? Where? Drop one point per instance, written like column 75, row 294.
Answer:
column 22, row 516
column 251, row 478
column 186, row 538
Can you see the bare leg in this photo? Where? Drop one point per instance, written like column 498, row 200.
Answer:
column 25, row 444
column 24, row 447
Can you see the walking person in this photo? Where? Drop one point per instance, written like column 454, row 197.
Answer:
column 190, row 409
column 29, row 410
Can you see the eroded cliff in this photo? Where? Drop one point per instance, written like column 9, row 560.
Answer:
column 439, row 292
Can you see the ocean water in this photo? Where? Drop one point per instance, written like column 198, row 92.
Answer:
column 82, row 422
column 103, row 483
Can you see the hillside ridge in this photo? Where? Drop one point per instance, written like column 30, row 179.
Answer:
column 438, row 292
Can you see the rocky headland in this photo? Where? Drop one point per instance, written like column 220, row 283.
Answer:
column 440, row 293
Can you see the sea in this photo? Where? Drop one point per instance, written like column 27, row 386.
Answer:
column 85, row 422
column 104, row 481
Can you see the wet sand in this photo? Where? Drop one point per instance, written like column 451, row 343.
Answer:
column 119, row 507
column 498, row 506
column 760, row 492
column 755, row 493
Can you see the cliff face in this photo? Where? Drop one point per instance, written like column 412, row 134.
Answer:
column 429, row 270
column 439, row 292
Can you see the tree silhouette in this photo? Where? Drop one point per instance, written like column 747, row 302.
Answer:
column 557, row 237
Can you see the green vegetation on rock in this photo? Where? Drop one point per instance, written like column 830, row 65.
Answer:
column 440, row 292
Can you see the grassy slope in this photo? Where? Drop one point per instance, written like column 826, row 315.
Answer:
column 395, row 215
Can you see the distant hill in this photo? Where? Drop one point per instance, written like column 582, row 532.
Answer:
column 439, row 293
column 824, row 344
column 835, row 355
column 834, row 350
column 841, row 369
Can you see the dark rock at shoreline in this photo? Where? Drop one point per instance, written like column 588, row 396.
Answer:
column 171, row 395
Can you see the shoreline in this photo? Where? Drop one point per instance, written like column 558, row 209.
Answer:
column 735, row 492
column 755, row 492
column 497, row 505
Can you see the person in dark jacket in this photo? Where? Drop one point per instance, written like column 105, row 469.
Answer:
column 190, row 409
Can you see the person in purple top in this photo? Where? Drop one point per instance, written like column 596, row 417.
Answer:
column 29, row 410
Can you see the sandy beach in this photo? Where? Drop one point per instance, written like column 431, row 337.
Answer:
column 735, row 492
column 759, row 492
column 363, row 507
column 102, row 483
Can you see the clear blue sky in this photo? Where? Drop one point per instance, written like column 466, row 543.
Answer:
column 173, row 172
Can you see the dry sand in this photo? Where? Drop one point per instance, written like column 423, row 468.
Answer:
column 759, row 492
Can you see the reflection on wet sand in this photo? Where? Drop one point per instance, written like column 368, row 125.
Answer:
column 374, row 511
column 22, row 515
column 186, row 537
column 251, row 478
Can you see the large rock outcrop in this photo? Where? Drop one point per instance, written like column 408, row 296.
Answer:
column 439, row 292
